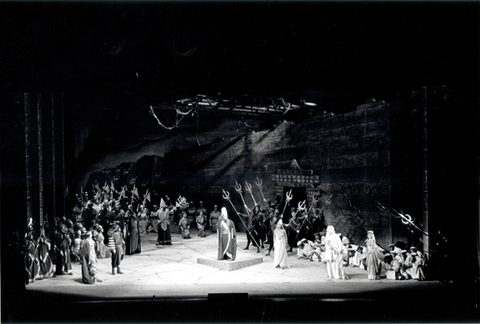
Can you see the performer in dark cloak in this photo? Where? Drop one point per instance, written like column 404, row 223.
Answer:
column 133, row 244
column 255, row 230
column 62, row 245
column 227, row 237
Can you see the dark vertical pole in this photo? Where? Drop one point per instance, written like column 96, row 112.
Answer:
column 426, row 243
column 63, row 160
column 40, row 159
column 53, row 161
column 28, row 170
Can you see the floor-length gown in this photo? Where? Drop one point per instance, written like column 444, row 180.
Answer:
column 280, row 245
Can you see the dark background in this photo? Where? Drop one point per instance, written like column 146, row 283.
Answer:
column 118, row 57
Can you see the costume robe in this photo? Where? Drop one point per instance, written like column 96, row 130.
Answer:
column 184, row 226
column 280, row 248
column 163, row 228
column 63, row 262
column 45, row 262
column 134, row 244
column 373, row 261
column 101, row 249
column 89, row 260
column 227, row 240
column 31, row 258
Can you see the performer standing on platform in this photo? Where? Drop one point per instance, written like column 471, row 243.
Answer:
column 280, row 245
column 227, row 237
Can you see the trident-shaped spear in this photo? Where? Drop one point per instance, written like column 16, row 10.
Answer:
column 315, row 200
column 226, row 196
column 259, row 183
column 288, row 197
column 301, row 206
column 238, row 188
column 248, row 187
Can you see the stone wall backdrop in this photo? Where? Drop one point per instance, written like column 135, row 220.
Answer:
column 343, row 158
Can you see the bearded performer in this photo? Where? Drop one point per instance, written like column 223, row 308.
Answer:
column 227, row 237
column 163, row 228
column 88, row 258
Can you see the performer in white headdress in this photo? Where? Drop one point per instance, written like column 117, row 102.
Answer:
column 333, row 248
column 227, row 237
column 373, row 257
column 280, row 242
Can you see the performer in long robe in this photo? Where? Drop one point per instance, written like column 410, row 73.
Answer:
column 116, row 243
column 134, row 244
column 280, row 245
column 31, row 256
column 88, row 259
column 45, row 262
column 100, row 247
column 143, row 216
column 333, row 244
column 227, row 237
column 163, row 228
column 62, row 245
column 373, row 253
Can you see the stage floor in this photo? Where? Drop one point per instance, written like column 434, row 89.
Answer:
column 167, row 274
column 165, row 271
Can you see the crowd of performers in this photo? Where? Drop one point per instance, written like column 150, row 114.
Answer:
column 110, row 225
column 113, row 223
column 314, row 240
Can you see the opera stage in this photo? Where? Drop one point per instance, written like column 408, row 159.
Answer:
column 168, row 283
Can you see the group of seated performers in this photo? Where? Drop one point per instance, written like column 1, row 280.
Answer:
column 396, row 264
